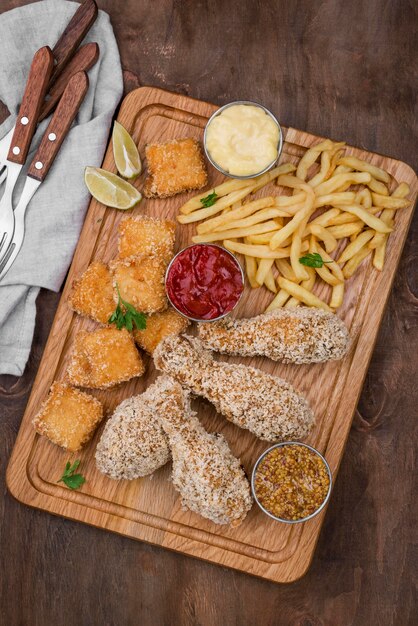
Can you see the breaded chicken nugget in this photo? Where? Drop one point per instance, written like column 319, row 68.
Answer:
column 146, row 236
column 68, row 417
column 92, row 293
column 266, row 405
column 140, row 281
column 298, row 335
column 104, row 357
column 159, row 326
column 174, row 167
column 133, row 444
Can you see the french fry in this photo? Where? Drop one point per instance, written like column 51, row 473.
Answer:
column 306, row 284
column 324, row 169
column 251, row 270
column 326, row 218
column 371, row 220
column 224, row 189
column 351, row 266
column 343, row 218
column 262, row 252
column 355, row 246
column 288, row 201
column 264, row 179
column 302, row 294
column 379, row 240
column 337, row 296
column 331, row 263
column 338, row 181
column 264, row 268
column 263, row 238
column 389, row 202
column 220, row 205
column 342, row 169
column 269, row 281
column 251, row 220
column 311, row 156
column 341, row 231
column 302, row 216
column 346, row 197
column 285, row 269
column 379, row 256
column 364, row 197
column 265, row 227
column 378, row 187
column 278, row 301
column 324, row 235
column 295, row 253
column 240, row 213
column 364, row 166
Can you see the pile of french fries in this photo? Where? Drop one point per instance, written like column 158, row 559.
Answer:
column 343, row 212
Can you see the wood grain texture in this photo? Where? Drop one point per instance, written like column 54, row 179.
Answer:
column 33, row 97
column 149, row 509
column 336, row 72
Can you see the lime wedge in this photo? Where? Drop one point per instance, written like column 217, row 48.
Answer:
column 126, row 154
column 111, row 190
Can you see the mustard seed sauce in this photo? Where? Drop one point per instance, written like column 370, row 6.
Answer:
column 291, row 482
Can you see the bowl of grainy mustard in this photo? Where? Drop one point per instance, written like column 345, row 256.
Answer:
column 291, row 482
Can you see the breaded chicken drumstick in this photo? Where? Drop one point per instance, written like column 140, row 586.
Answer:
column 209, row 478
column 298, row 335
column 266, row 405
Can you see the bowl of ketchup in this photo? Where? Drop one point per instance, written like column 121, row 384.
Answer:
column 204, row 282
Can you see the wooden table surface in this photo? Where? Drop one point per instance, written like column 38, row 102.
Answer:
column 335, row 68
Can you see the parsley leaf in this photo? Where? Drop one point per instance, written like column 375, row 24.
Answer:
column 128, row 317
column 313, row 260
column 71, row 480
column 209, row 200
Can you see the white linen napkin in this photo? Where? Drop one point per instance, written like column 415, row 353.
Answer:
column 56, row 213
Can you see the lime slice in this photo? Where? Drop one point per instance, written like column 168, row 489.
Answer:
column 126, row 154
column 111, row 190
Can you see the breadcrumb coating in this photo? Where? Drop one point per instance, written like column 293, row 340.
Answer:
column 92, row 293
column 299, row 335
column 140, row 281
column 210, row 479
column 68, row 417
column 132, row 444
column 174, row 167
column 103, row 357
column 266, row 405
column 142, row 235
column 159, row 326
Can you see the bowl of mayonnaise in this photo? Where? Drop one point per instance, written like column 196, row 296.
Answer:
column 243, row 139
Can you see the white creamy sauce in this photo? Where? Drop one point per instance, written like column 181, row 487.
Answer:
column 243, row 140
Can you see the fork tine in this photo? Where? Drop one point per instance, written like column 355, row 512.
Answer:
column 3, row 174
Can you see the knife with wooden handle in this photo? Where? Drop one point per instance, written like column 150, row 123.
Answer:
column 77, row 28
column 48, row 149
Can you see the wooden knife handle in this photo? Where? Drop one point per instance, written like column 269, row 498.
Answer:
column 59, row 126
column 83, row 60
column 75, row 32
column 35, row 90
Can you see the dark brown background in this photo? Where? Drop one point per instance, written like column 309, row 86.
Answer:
column 342, row 69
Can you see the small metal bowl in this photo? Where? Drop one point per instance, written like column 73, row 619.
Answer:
column 280, row 519
column 213, row 245
column 279, row 145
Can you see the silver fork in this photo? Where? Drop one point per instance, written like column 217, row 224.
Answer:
column 50, row 144
column 21, row 136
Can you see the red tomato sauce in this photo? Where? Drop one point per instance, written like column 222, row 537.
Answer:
column 204, row 282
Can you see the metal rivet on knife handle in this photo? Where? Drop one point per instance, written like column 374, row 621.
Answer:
column 35, row 90
column 85, row 57
column 72, row 36
column 59, row 125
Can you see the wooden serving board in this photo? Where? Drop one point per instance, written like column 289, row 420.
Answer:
column 149, row 508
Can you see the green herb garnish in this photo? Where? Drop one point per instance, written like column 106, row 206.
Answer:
column 209, row 200
column 313, row 260
column 127, row 317
column 73, row 481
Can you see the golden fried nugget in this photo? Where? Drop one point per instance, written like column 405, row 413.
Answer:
column 174, row 167
column 68, row 417
column 159, row 326
column 104, row 357
column 140, row 281
column 92, row 293
column 143, row 235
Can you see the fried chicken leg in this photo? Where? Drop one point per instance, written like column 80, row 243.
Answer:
column 266, row 405
column 209, row 478
column 298, row 335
